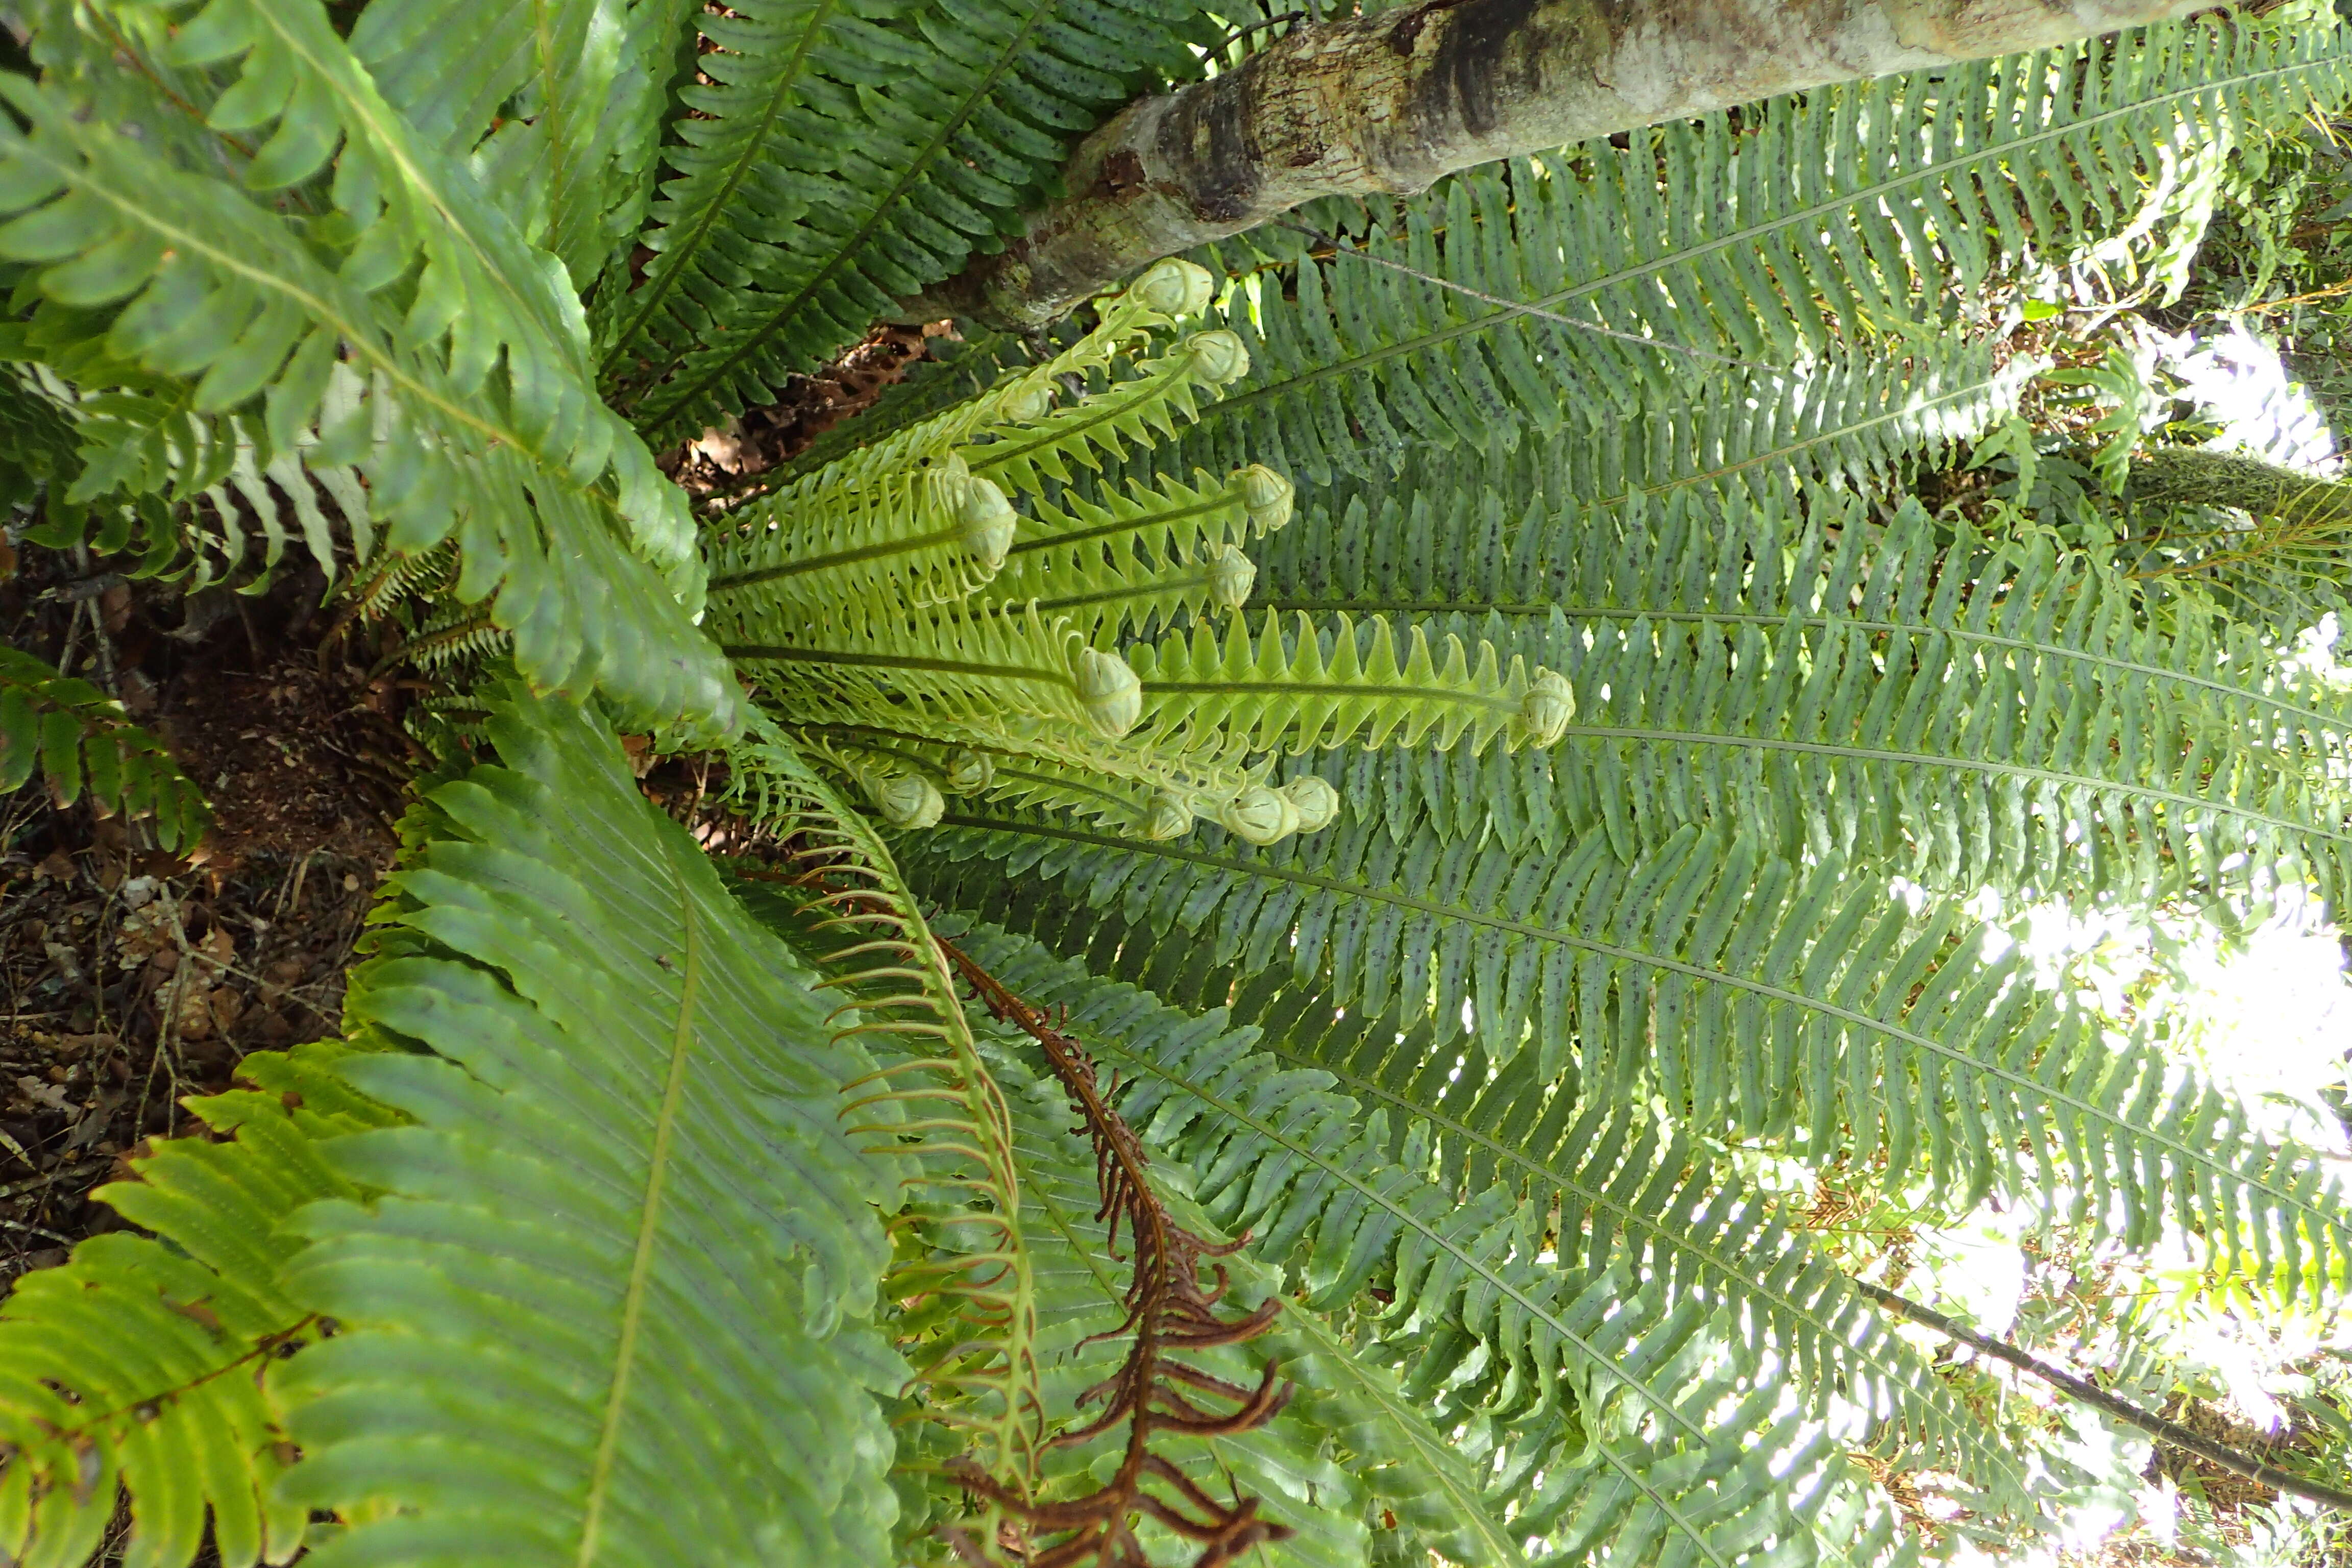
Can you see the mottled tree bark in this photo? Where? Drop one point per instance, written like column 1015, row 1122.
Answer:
column 1390, row 103
column 2191, row 475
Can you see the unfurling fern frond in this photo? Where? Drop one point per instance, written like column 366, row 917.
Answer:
column 78, row 738
column 902, row 609
column 625, row 1233
column 152, row 1362
column 1146, row 559
column 924, row 516
column 1304, row 687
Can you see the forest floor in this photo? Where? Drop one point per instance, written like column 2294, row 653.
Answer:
column 133, row 979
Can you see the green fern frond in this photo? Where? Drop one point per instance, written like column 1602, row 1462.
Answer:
column 1138, row 788
column 574, row 169
column 626, row 1232
column 1401, row 1460
column 151, row 1364
column 1105, row 595
column 1142, row 558
column 844, row 155
column 1919, row 1036
column 562, row 510
column 908, row 520
column 1273, row 1150
column 953, row 665
column 153, row 456
column 449, row 638
column 1834, row 218
column 78, row 739
column 36, row 440
column 1304, row 687
column 1969, row 713
column 971, row 1337
column 1165, row 394
column 928, row 534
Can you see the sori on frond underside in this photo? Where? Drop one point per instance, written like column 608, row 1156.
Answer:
column 989, row 603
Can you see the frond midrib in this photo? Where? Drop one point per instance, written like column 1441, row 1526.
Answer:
column 641, row 1262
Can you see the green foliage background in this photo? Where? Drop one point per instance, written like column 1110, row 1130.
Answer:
column 1493, row 722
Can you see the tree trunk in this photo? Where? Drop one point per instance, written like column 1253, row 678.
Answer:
column 1390, row 103
column 2192, row 476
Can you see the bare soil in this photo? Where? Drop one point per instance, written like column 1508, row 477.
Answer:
column 134, row 979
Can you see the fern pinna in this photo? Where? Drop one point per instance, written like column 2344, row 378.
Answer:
column 1300, row 834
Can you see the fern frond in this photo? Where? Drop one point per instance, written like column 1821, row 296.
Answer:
column 1282, row 1466
column 574, row 169
column 562, row 510
column 78, row 738
column 928, row 534
column 36, row 440
column 1833, row 217
column 1304, row 687
column 1137, row 787
column 953, row 665
column 576, row 1281
column 1105, row 595
column 946, row 413
column 149, row 1364
column 1140, row 559
column 909, row 521
column 1271, row 1149
column 1918, row 1035
column 972, row 1339
column 844, row 155
column 1969, row 713
column 1165, row 394
column 1403, row 1460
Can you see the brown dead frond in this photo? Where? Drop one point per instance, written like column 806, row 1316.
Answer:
column 1170, row 1312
